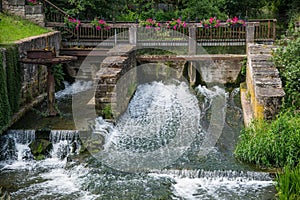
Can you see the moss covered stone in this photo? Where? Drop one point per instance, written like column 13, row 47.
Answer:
column 40, row 149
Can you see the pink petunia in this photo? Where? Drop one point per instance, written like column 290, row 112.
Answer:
column 98, row 28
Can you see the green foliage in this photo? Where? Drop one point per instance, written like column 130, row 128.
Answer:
column 13, row 73
column 14, row 28
column 288, row 184
column 5, row 112
column 287, row 60
column 58, row 76
column 271, row 144
column 107, row 112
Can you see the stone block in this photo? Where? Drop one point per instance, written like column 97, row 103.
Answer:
column 16, row 2
column 36, row 9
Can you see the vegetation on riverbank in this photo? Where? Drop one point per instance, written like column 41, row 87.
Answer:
column 14, row 28
column 276, row 144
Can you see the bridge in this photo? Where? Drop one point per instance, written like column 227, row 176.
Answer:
column 260, row 31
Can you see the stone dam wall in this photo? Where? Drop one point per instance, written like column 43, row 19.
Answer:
column 116, row 82
column 263, row 91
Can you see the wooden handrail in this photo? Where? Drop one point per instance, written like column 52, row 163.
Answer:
column 57, row 8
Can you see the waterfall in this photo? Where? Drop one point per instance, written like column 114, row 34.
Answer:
column 158, row 126
column 14, row 145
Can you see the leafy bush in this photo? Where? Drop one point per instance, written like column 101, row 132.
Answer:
column 271, row 144
column 288, row 184
column 4, row 103
column 287, row 60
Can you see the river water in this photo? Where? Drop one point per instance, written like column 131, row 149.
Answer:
column 171, row 143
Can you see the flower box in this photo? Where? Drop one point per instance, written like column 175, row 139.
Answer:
column 36, row 9
column 40, row 54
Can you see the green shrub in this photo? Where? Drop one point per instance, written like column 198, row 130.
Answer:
column 288, row 184
column 287, row 60
column 271, row 144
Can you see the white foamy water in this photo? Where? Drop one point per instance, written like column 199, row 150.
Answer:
column 74, row 88
column 158, row 126
column 200, row 184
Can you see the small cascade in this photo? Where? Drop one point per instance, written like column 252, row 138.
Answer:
column 15, row 145
column 74, row 88
column 64, row 142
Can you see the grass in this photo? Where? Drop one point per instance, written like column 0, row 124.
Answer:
column 271, row 144
column 14, row 28
column 288, row 184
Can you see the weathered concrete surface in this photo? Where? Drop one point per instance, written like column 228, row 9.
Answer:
column 212, row 68
column 264, row 87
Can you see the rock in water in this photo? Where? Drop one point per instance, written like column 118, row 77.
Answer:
column 40, row 148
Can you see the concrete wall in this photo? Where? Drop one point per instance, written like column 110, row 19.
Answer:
column 32, row 13
column 264, row 88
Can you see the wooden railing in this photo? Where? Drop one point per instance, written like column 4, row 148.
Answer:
column 265, row 31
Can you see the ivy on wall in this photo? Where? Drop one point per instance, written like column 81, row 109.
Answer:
column 5, row 111
column 10, row 85
column 13, row 73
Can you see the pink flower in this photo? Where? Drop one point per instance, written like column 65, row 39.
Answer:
column 157, row 28
column 107, row 27
column 235, row 19
column 175, row 27
column 98, row 28
column 158, row 24
column 147, row 26
column 211, row 20
column 184, row 24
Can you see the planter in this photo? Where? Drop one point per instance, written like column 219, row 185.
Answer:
column 40, row 54
column 16, row 2
column 36, row 9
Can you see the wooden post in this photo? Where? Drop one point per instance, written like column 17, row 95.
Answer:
column 51, row 92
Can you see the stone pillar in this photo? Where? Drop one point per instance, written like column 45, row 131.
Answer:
column 250, row 29
column 192, row 41
column 51, row 92
column 132, row 35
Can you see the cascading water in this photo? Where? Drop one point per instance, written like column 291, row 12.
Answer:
column 157, row 122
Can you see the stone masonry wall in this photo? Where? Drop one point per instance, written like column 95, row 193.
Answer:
column 19, row 8
column 263, row 82
column 220, row 69
column 34, row 76
column 116, row 81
